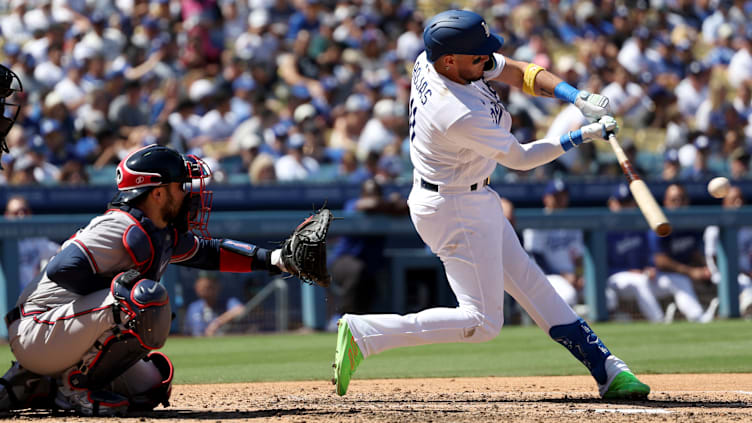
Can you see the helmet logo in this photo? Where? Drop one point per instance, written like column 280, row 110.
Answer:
column 485, row 28
column 140, row 180
column 118, row 176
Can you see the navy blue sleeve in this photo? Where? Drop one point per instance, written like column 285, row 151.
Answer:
column 71, row 270
column 206, row 256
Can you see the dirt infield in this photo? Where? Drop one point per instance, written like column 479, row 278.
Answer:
column 675, row 398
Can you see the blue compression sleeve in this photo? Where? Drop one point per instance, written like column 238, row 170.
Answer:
column 571, row 139
column 566, row 92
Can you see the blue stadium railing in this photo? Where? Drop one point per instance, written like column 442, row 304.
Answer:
column 270, row 225
column 304, row 196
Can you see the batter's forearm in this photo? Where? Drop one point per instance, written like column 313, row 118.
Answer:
column 531, row 155
column 545, row 84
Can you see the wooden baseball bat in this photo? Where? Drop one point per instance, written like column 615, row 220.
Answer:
column 645, row 200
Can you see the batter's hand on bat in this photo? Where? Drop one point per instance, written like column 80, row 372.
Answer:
column 600, row 130
column 593, row 106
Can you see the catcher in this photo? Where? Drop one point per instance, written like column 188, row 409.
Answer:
column 86, row 331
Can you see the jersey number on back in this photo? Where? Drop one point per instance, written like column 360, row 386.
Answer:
column 413, row 111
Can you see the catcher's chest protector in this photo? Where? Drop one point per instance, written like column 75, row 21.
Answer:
column 149, row 247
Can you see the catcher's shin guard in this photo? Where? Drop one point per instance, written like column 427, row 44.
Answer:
column 145, row 328
column 160, row 392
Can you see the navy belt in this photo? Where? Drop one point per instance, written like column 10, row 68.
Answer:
column 435, row 188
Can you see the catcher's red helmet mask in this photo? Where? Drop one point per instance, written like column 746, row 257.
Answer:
column 155, row 165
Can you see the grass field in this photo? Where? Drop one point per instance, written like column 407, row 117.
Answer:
column 723, row 347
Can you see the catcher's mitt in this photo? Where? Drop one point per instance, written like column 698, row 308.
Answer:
column 304, row 252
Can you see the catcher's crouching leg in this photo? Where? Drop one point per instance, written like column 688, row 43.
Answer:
column 147, row 383
column 143, row 315
column 21, row 388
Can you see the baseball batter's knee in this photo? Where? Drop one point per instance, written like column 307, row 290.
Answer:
column 484, row 330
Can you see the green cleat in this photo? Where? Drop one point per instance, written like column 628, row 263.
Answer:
column 347, row 357
column 626, row 386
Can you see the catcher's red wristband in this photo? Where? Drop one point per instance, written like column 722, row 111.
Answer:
column 239, row 257
column 234, row 262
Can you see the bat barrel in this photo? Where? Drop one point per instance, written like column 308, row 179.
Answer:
column 642, row 195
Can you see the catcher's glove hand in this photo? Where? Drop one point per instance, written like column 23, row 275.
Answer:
column 304, row 252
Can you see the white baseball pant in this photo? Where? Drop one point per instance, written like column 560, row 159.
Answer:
column 634, row 286
column 680, row 287
column 646, row 292
column 565, row 289
column 482, row 257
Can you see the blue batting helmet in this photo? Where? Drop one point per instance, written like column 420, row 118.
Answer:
column 459, row 32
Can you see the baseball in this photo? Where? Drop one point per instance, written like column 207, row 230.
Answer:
column 719, row 187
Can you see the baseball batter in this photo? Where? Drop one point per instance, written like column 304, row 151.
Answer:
column 459, row 131
column 89, row 326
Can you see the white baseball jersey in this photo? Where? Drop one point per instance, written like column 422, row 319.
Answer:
column 456, row 134
column 455, row 129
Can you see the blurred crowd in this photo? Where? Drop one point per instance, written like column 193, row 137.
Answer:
column 272, row 91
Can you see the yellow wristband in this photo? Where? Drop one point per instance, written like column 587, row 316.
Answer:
column 528, row 80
